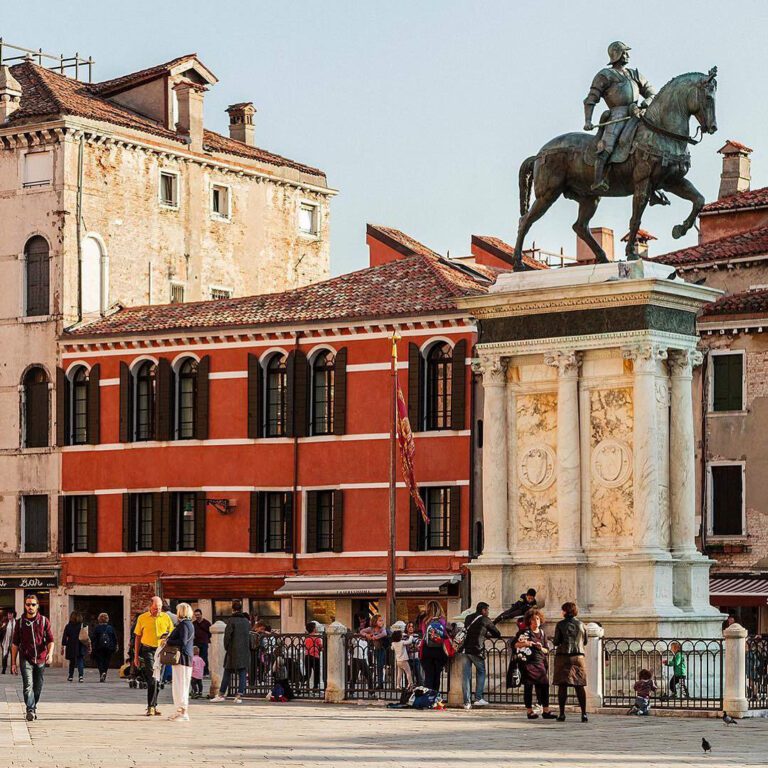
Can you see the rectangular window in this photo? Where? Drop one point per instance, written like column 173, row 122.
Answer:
column 169, row 189
column 324, row 521
column 727, row 511
column 728, row 382
column 78, row 523
column 177, row 293
column 34, row 523
column 308, row 219
column 143, row 512
column 221, row 293
column 267, row 611
column 38, row 169
column 436, row 535
column 220, row 201
column 183, row 522
column 274, row 534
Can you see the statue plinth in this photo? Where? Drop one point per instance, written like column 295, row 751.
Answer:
column 588, row 452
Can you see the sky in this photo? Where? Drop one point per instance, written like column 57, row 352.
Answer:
column 421, row 111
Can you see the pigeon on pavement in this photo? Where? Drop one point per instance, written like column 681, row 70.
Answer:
column 728, row 720
column 706, row 746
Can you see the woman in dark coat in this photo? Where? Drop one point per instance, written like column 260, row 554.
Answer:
column 532, row 651
column 74, row 649
column 182, row 637
column 570, row 642
column 104, row 644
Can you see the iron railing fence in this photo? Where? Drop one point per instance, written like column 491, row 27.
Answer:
column 757, row 671
column 299, row 658
column 700, row 688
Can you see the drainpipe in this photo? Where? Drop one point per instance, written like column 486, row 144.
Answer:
column 704, row 449
column 80, row 152
column 472, row 458
column 295, row 506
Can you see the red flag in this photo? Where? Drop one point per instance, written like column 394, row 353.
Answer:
column 407, row 451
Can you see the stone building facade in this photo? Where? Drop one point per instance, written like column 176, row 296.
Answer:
column 115, row 194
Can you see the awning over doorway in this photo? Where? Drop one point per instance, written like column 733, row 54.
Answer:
column 738, row 590
column 364, row 586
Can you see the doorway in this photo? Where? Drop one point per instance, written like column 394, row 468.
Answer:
column 90, row 606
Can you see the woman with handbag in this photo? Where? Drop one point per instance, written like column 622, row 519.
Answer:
column 178, row 652
column 76, row 643
column 532, row 650
column 570, row 643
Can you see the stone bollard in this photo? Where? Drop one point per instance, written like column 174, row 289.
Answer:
column 595, row 667
column 735, row 671
column 456, row 676
column 216, row 656
column 336, row 675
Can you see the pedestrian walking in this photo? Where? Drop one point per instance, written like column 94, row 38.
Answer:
column 104, row 645
column 31, row 648
column 151, row 627
column 570, row 670
column 202, row 636
column 76, row 643
column 434, row 632
column 198, row 671
column 679, row 670
column 313, row 647
column 532, row 651
column 478, row 628
column 237, row 652
column 182, row 638
column 9, row 626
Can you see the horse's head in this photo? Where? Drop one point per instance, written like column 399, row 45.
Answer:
column 702, row 101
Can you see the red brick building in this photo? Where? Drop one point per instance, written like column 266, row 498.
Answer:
column 240, row 447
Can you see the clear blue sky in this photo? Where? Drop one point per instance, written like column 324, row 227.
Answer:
column 421, row 112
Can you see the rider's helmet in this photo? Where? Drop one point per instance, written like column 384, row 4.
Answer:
column 615, row 50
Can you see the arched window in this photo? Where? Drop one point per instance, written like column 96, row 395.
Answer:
column 79, row 406
column 323, row 375
column 439, row 372
column 276, row 395
column 144, row 401
column 37, row 276
column 93, row 277
column 185, row 399
column 35, row 408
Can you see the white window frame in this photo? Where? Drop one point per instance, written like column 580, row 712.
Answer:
column 710, row 500
column 711, row 382
column 218, row 215
column 212, row 288
column 177, row 176
column 42, row 183
column 315, row 233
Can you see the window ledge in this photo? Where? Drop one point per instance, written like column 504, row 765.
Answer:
column 309, row 236
column 222, row 219
column 36, row 318
column 41, row 449
column 34, row 555
column 167, row 207
column 727, row 413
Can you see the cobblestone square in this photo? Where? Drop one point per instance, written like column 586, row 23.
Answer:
column 96, row 725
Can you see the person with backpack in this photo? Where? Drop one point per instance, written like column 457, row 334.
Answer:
column 104, row 645
column 76, row 643
column 32, row 647
column 434, row 631
column 478, row 628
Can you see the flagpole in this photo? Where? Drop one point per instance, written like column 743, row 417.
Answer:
column 391, row 549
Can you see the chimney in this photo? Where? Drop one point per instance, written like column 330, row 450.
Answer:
column 642, row 241
column 190, row 123
column 735, row 176
column 604, row 237
column 10, row 94
column 241, row 126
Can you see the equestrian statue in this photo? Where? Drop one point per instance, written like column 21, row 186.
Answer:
column 641, row 149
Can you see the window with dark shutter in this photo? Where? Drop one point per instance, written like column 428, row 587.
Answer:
column 126, row 403
column 255, row 396
column 340, row 393
column 320, row 521
column 185, row 399
column 297, row 394
column 183, row 524
column 439, row 386
column 139, row 522
column 437, row 533
column 93, row 420
column 311, row 521
column 322, row 393
column 37, row 262
column 458, row 385
column 276, row 396
column 36, row 417
column 62, row 407
column 202, row 403
column 34, row 523
column 415, row 387
column 143, row 399
column 414, row 527
column 77, row 525
column 160, row 503
column 128, row 534
column 288, row 522
column 78, row 409
column 200, row 519
column 93, row 524
column 454, row 518
column 728, row 382
column 337, row 538
column 63, row 529
column 727, row 500
column 163, row 401
column 255, row 540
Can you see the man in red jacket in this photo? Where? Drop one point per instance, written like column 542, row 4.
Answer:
column 32, row 646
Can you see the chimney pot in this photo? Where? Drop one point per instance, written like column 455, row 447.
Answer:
column 241, row 127
column 736, row 173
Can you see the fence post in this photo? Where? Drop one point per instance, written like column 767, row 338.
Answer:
column 335, row 682
column 455, row 675
column 735, row 671
column 595, row 667
column 216, row 656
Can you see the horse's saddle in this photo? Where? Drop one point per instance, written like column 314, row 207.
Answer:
column 623, row 148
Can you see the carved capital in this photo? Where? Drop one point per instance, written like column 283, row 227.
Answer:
column 493, row 369
column 645, row 356
column 567, row 362
column 682, row 361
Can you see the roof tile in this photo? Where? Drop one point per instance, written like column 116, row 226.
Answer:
column 746, row 303
column 751, row 198
column 754, row 242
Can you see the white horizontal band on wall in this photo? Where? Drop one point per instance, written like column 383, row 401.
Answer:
column 265, row 556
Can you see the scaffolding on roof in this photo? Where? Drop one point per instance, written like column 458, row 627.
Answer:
column 57, row 62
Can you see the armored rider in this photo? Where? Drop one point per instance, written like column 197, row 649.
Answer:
column 621, row 87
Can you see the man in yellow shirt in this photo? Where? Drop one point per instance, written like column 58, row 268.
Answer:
column 152, row 627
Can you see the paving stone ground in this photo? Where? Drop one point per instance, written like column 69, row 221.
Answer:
column 91, row 725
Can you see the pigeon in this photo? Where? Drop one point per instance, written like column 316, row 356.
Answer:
column 728, row 720
column 706, row 746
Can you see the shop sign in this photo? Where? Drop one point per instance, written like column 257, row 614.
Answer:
column 29, row 582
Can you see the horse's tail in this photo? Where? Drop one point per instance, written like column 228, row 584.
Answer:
column 525, row 178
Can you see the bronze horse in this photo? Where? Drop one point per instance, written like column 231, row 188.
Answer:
column 658, row 160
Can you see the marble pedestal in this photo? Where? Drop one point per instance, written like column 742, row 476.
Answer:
column 588, row 455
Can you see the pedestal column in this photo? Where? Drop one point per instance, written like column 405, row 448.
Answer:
column 682, row 469
column 568, row 451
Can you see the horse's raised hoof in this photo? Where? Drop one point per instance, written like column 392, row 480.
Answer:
column 678, row 231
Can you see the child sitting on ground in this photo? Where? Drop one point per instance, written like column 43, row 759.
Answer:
column 198, row 668
column 644, row 687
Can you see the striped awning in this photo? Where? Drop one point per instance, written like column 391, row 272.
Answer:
column 738, row 586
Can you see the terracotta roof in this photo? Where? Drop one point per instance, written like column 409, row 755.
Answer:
column 746, row 303
column 411, row 286
column 751, row 198
column 737, row 145
column 754, row 242
column 642, row 235
column 46, row 93
column 505, row 251
column 118, row 83
column 399, row 241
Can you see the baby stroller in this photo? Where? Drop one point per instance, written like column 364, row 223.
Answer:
column 134, row 675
